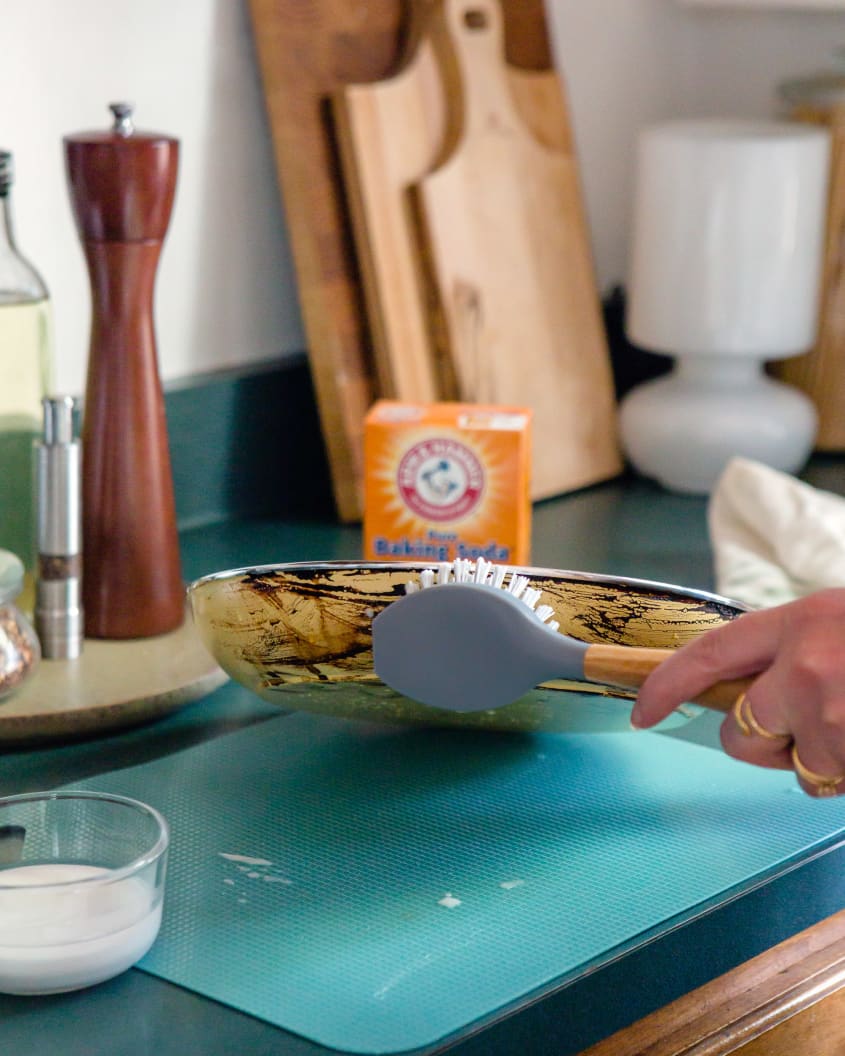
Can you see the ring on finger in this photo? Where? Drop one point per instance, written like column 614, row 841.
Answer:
column 748, row 722
column 824, row 784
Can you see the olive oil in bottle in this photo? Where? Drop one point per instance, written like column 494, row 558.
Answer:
column 25, row 378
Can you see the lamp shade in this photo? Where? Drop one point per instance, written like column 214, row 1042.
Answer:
column 727, row 237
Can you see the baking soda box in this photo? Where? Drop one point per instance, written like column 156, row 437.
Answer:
column 447, row 480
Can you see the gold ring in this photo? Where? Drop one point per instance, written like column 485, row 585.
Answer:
column 748, row 723
column 824, row 786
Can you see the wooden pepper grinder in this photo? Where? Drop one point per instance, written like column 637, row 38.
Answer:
column 122, row 184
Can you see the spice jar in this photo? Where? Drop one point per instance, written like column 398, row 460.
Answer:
column 20, row 652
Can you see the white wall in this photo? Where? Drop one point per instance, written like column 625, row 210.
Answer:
column 629, row 62
column 226, row 293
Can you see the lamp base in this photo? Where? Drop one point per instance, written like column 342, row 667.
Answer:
column 683, row 428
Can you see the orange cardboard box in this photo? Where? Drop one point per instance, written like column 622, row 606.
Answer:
column 447, row 480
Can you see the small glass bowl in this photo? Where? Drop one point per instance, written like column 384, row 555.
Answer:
column 81, row 888
column 20, row 651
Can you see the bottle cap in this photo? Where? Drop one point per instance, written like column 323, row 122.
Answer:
column 122, row 181
column 7, row 172
column 58, row 419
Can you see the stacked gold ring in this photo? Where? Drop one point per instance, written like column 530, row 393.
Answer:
column 748, row 723
column 822, row 783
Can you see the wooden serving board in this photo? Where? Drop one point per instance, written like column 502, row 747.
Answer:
column 391, row 134
column 305, row 52
column 112, row 685
column 512, row 269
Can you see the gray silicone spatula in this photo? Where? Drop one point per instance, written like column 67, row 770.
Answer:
column 473, row 646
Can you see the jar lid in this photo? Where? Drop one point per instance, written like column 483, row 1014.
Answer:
column 11, row 576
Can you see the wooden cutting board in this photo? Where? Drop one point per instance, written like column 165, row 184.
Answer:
column 391, row 134
column 821, row 372
column 305, row 52
column 512, row 271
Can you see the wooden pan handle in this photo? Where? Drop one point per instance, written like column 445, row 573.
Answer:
column 627, row 667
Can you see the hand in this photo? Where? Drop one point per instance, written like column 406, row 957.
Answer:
column 797, row 653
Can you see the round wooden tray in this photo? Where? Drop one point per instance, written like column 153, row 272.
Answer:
column 113, row 684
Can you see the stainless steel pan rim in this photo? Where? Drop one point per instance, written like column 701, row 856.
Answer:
column 532, row 571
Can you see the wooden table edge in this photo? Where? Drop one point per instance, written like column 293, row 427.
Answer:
column 764, row 996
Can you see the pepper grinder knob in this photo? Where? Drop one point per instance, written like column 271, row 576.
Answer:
column 123, row 125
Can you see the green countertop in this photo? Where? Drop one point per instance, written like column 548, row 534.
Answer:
column 627, row 527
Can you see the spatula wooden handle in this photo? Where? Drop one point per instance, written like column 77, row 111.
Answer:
column 627, row 667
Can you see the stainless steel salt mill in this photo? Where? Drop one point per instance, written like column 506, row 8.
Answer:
column 58, row 592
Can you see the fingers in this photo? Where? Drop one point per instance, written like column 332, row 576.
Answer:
column 750, row 734
column 803, row 691
column 734, row 650
column 793, row 712
column 828, row 780
column 744, row 737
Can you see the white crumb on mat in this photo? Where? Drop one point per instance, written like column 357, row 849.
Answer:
column 228, row 880
column 242, row 901
column 509, row 885
column 244, row 858
column 449, row 901
column 253, row 875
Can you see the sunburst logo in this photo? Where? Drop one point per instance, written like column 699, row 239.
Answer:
column 440, row 479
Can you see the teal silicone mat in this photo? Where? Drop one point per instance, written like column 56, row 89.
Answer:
column 377, row 889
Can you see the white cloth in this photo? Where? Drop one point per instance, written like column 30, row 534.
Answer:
column 774, row 537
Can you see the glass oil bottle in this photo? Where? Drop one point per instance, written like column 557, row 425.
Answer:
column 25, row 379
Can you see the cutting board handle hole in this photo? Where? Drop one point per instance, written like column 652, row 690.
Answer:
column 474, row 18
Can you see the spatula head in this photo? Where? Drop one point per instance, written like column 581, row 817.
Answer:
column 465, row 647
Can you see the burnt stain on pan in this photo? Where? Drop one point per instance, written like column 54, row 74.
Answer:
column 300, row 623
column 300, row 635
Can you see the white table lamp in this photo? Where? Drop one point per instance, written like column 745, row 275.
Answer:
column 725, row 272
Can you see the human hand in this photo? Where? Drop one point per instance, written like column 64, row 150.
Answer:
column 793, row 714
